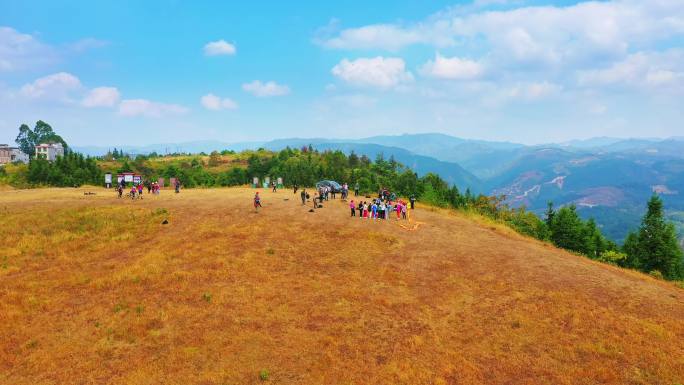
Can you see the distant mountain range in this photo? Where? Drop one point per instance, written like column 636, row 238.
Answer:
column 609, row 179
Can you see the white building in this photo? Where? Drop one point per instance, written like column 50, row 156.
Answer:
column 12, row 154
column 49, row 151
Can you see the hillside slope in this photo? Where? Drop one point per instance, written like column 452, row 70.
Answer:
column 95, row 290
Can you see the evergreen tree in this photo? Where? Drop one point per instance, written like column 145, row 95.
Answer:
column 550, row 212
column 657, row 247
column 567, row 230
column 631, row 248
column 595, row 243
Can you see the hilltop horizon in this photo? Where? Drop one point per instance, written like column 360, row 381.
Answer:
column 592, row 141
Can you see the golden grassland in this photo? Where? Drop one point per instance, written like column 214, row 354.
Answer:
column 95, row 290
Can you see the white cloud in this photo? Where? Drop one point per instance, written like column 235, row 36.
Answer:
column 374, row 72
column 452, row 68
column 388, row 36
column 641, row 69
column 547, row 35
column 19, row 51
column 101, row 97
column 56, row 87
column 520, row 92
column 144, row 107
column 267, row 89
column 213, row 102
column 536, row 90
column 219, row 47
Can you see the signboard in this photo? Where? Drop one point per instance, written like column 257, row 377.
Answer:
column 128, row 178
column 119, row 179
column 108, row 180
column 255, row 182
column 267, row 181
column 172, row 182
column 280, row 182
column 160, row 181
column 137, row 179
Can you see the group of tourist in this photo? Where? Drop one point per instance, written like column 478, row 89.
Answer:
column 136, row 190
column 380, row 208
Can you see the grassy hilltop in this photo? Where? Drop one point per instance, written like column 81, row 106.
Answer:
column 96, row 290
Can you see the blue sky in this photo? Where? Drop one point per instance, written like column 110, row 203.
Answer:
column 130, row 72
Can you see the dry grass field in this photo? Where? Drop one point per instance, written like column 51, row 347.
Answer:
column 95, row 290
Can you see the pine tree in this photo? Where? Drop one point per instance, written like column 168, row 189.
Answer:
column 567, row 230
column 550, row 212
column 595, row 243
column 631, row 248
column 657, row 242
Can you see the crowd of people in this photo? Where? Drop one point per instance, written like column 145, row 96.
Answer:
column 384, row 207
column 380, row 208
column 136, row 190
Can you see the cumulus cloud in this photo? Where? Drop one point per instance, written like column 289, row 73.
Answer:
column 551, row 35
column 101, row 97
column 641, row 69
column 219, row 47
column 388, row 36
column 267, row 89
column 378, row 72
column 56, row 86
column 452, row 68
column 20, row 51
column 213, row 102
column 147, row 108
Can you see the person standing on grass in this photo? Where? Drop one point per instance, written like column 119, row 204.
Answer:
column 303, row 195
column 140, row 190
column 177, row 186
column 317, row 198
column 353, row 208
column 360, row 207
column 257, row 202
column 356, row 189
column 399, row 210
column 120, row 190
column 403, row 210
column 412, row 199
column 295, row 188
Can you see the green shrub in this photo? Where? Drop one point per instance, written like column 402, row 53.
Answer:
column 264, row 375
column 656, row 274
column 613, row 257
